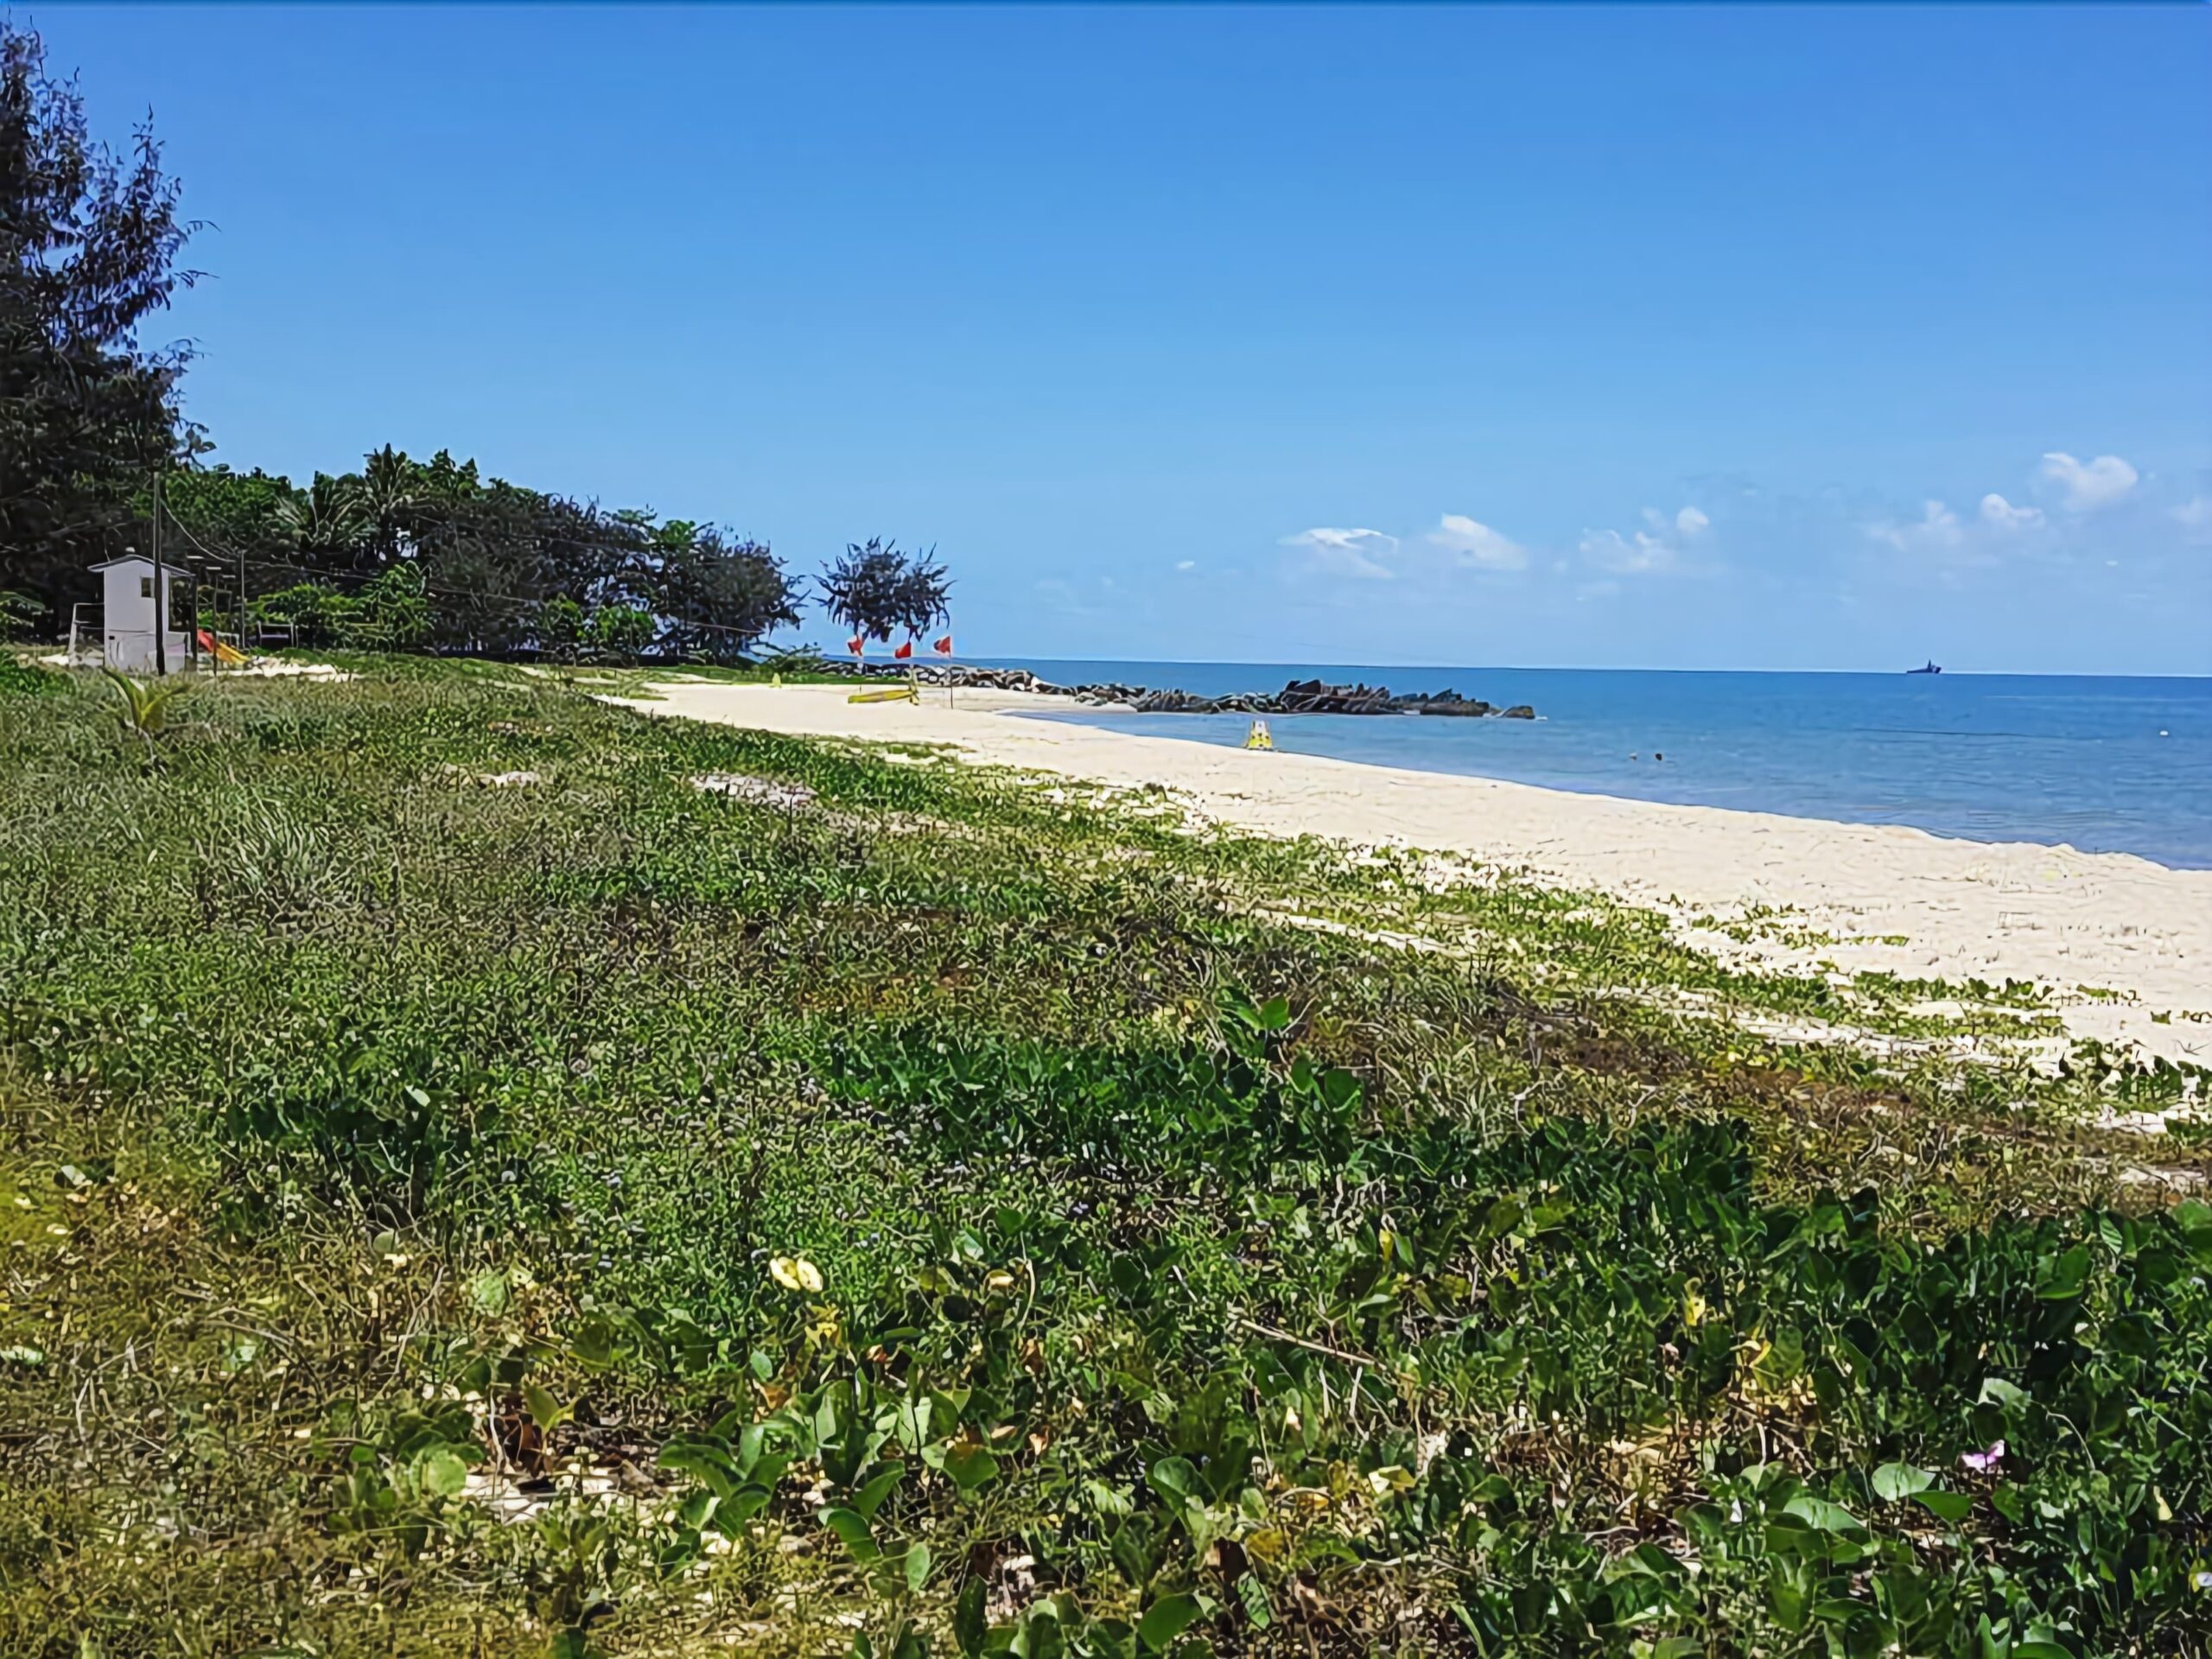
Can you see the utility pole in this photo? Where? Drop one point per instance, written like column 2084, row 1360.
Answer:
column 161, row 599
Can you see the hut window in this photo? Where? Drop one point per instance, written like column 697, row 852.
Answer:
column 145, row 587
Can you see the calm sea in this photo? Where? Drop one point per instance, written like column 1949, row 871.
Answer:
column 2106, row 764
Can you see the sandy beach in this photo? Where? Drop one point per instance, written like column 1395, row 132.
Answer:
column 2110, row 922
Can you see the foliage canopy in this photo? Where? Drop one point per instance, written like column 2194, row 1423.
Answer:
column 876, row 590
column 89, row 243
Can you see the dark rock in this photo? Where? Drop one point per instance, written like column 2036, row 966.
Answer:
column 1175, row 702
column 1297, row 698
column 1314, row 697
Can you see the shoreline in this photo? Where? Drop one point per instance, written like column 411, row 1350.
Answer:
column 2123, row 944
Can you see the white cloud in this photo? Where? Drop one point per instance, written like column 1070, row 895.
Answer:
column 1186, row 564
column 1688, row 523
column 1642, row 554
column 1655, row 551
column 2000, row 514
column 1938, row 527
column 1478, row 544
column 2089, row 484
column 1354, row 553
column 2194, row 516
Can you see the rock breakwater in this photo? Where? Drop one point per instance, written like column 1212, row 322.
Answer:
column 1296, row 697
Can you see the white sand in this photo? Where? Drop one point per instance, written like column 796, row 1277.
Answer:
column 1966, row 909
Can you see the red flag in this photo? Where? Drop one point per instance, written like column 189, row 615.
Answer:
column 856, row 645
column 905, row 651
column 944, row 647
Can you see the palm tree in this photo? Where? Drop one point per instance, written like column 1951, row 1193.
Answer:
column 327, row 517
column 388, row 494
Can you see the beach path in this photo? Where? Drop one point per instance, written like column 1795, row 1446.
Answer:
column 2136, row 934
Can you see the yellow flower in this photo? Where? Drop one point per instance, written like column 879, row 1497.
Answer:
column 796, row 1273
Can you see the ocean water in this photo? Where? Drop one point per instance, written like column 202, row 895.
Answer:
column 2104, row 765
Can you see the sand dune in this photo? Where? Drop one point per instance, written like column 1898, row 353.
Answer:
column 1965, row 909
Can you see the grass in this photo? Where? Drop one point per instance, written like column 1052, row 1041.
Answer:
column 597, row 1214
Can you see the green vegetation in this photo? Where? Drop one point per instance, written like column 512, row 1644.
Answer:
column 22, row 679
column 405, row 553
column 466, row 1187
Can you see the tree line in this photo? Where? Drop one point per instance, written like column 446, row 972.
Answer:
column 405, row 554
column 96, row 459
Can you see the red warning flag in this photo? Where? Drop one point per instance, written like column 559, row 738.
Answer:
column 943, row 647
column 856, row 645
column 905, row 651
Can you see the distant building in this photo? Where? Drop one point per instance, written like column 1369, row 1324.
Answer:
column 127, row 615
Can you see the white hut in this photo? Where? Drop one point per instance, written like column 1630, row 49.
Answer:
column 127, row 615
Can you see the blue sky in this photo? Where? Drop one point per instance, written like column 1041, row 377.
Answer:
column 1597, row 336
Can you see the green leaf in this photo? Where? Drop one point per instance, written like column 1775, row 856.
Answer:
column 2059, row 1278
column 917, row 1567
column 914, row 1422
column 853, row 1529
column 1953, row 1507
column 1174, row 1476
column 1894, row 1481
column 733, row 1512
column 593, row 1344
column 707, row 1464
column 870, row 1497
column 2194, row 1217
column 1166, row 1619
column 971, row 1625
column 444, row 1473
column 1819, row 1512
column 23, row 1354
column 1274, row 1016
column 1995, row 1390
column 970, row 1465
column 1254, row 1594
column 544, row 1410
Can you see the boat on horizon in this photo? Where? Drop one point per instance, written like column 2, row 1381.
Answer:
column 1930, row 667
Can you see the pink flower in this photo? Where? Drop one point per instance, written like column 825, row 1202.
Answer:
column 1982, row 1462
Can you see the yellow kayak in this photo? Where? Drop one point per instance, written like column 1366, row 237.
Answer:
column 889, row 694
